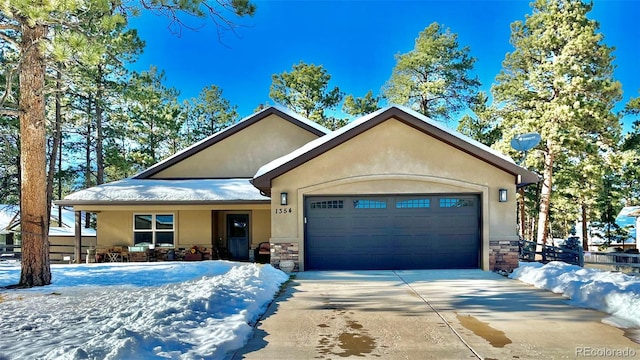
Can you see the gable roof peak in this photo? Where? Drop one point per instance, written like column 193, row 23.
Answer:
column 243, row 123
column 262, row 178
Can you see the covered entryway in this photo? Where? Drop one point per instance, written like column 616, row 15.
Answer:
column 422, row 231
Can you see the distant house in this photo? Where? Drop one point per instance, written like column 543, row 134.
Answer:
column 627, row 219
column 61, row 233
column 391, row 190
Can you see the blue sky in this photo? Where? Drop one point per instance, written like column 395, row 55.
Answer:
column 355, row 41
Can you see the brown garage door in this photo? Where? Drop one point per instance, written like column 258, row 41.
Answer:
column 392, row 232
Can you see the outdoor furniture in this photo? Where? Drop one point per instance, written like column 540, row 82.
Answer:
column 262, row 253
column 113, row 257
column 193, row 257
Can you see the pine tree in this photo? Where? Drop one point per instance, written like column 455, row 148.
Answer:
column 361, row 106
column 305, row 90
column 559, row 82
column 484, row 125
column 207, row 114
column 26, row 25
column 630, row 156
column 154, row 117
column 434, row 78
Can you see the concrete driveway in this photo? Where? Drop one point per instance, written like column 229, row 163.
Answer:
column 428, row 314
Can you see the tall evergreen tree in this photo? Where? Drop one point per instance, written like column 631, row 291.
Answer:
column 483, row 126
column 26, row 24
column 361, row 106
column 559, row 82
column 434, row 78
column 305, row 90
column 9, row 123
column 207, row 114
column 154, row 117
column 631, row 156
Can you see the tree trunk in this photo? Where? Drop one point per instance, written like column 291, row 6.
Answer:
column 57, row 138
column 585, row 239
column 87, row 170
column 99, row 154
column 545, row 195
column 33, row 195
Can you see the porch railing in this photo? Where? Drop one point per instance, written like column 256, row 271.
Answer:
column 58, row 253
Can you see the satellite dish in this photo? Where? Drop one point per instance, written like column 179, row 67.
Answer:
column 525, row 142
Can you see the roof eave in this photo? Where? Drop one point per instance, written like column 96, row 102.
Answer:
column 156, row 202
column 263, row 182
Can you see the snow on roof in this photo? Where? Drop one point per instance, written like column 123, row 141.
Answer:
column 66, row 231
column 7, row 213
column 357, row 122
column 298, row 117
column 180, row 153
column 155, row 190
column 629, row 211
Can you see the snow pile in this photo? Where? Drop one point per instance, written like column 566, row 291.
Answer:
column 613, row 293
column 136, row 311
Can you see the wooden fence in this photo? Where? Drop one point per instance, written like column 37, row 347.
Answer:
column 618, row 260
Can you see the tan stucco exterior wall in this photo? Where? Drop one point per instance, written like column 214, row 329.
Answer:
column 114, row 228
column 193, row 226
column 395, row 158
column 261, row 227
column 242, row 154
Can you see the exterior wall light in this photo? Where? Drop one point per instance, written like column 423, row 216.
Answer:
column 502, row 195
column 283, row 198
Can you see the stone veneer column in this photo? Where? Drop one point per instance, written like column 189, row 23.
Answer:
column 285, row 251
column 503, row 255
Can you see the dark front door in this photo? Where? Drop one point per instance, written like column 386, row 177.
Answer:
column 238, row 236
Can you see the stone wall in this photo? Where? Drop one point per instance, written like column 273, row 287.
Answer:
column 503, row 255
column 285, row 251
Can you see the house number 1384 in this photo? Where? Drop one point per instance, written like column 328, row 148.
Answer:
column 283, row 211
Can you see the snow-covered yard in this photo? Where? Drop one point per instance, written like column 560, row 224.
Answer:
column 174, row 310
column 204, row 310
column 614, row 293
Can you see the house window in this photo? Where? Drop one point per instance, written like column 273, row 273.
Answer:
column 369, row 204
column 413, row 204
column 157, row 229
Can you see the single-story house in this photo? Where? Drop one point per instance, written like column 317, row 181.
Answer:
column 62, row 237
column 390, row 190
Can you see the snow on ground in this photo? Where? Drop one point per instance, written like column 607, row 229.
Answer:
column 614, row 293
column 204, row 310
column 170, row 310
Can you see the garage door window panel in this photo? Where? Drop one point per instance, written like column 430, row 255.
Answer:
column 456, row 203
column 369, row 204
column 329, row 204
column 413, row 204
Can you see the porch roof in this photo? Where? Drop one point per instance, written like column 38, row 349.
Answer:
column 156, row 191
